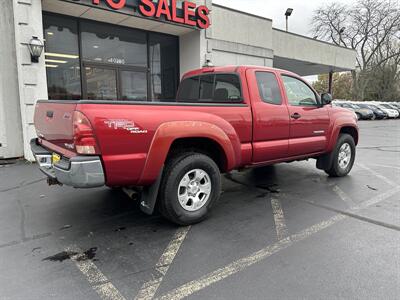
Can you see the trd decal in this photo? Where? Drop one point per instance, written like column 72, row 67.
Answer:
column 125, row 125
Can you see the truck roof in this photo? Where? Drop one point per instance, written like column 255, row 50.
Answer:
column 233, row 69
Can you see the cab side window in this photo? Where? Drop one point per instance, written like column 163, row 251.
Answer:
column 211, row 88
column 227, row 89
column 189, row 90
column 206, row 88
column 268, row 88
column 299, row 93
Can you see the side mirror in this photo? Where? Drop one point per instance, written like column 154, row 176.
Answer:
column 326, row 99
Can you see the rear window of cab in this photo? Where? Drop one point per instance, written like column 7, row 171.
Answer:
column 211, row 88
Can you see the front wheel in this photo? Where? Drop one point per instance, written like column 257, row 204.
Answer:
column 344, row 156
column 191, row 184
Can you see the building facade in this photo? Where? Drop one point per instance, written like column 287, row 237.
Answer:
column 132, row 50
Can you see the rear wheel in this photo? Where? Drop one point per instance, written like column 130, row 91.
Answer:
column 191, row 184
column 343, row 156
column 358, row 116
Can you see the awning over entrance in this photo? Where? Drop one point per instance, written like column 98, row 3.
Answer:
column 306, row 56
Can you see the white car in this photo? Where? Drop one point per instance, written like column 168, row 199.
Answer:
column 393, row 114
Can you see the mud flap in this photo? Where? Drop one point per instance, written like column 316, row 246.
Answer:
column 148, row 196
column 324, row 162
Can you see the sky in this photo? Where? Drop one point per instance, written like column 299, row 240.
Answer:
column 299, row 21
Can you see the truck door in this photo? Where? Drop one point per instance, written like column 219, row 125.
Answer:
column 309, row 122
column 270, row 117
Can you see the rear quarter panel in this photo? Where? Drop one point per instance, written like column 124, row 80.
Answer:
column 136, row 157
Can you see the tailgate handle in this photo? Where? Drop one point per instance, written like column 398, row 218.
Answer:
column 50, row 114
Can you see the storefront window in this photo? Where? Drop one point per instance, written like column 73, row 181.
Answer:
column 163, row 67
column 103, row 43
column 99, row 61
column 62, row 58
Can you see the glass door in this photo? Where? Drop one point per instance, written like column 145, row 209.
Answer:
column 100, row 83
column 133, row 85
column 108, row 82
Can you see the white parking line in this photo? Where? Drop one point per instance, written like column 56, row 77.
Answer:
column 379, row 198
column 342, row 195
column 279, row 218
column 100, row 283
column 380, row 176
column 384, row 166
column 150, row 288
column 245, row 262
column 196, row 285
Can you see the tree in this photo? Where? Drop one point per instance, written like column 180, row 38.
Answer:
column 371, row 27
column 342, row 84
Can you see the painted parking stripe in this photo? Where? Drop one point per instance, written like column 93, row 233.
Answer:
column 384, row 166
column 196, row 285
column 379, row 198
column 99, row 282
column 378, row 175
column 345, row 198
column 279, row 219
column 150, row 288
column 245, row 262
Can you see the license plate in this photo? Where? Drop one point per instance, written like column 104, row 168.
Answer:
column 55, row 158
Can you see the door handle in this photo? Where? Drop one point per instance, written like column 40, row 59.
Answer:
column 295, row 116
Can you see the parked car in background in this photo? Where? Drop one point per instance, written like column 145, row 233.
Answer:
column 391, row 106
column 392, row 113
column 396, row 104
column 379, row 113
column 361, row 113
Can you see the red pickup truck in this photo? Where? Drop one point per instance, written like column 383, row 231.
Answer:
column 223, row 118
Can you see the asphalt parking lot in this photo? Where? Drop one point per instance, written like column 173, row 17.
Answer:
column 282, row 232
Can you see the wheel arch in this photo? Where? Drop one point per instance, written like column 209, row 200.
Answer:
column 342, row 127
column 325, row 161
column 200, row 136
column 351, row 130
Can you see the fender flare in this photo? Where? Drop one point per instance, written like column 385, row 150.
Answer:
column 168, row 132
column 324, row 162
column 337, row 127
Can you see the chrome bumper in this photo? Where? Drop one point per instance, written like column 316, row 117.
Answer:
column 78, row 172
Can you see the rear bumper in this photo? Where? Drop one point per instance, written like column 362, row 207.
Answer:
column 78, row 172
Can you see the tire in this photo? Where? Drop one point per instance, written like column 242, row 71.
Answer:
column 373, row 118
column 191, row 184
column 358, row 116
column 340, row 166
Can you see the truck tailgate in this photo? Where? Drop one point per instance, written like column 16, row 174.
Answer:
column 54, row 123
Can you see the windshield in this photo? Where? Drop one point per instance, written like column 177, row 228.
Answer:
column 364, row 106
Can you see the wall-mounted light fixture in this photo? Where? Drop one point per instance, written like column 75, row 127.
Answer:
column 35, row 48
column 208, row 63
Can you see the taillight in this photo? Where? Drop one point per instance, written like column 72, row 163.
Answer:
column 84, row 139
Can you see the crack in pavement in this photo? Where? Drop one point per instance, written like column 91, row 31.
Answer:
column 21, row 185
column 22, row 220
